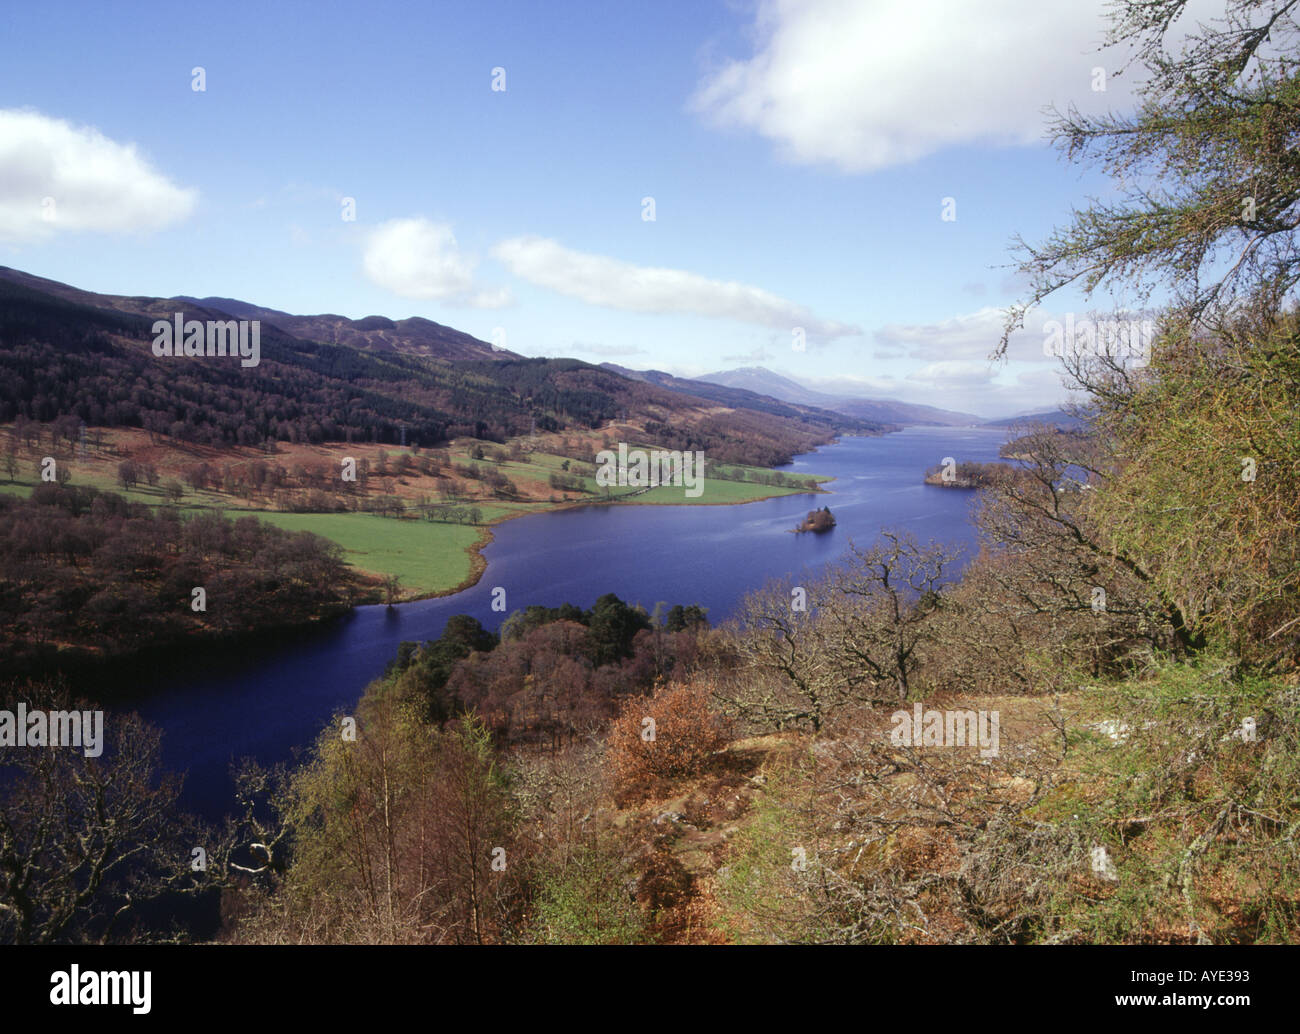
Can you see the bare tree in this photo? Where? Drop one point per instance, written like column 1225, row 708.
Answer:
column 882, row 601
column 83, row 840
column 850, row 636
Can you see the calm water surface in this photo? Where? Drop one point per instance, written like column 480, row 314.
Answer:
column 268, row 702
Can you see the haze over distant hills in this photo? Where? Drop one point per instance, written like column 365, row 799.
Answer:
column 1057, row 417
column 765, row 382
column 760, row 380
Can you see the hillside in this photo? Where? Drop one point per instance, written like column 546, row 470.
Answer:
column 70, row 353
column 1055, row 417
column 413, row 336
column 378, row 333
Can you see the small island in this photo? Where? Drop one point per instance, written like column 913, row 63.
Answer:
column 817, row 521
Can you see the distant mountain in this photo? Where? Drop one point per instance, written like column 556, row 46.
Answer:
column 907, row 413
column 743, row 398
column 1054, row 417
column 766, row 382
column 887, row 411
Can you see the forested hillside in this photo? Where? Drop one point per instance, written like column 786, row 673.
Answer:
column 86, row 575
column 64, row 356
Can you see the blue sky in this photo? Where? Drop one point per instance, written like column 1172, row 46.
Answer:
column 798, row 155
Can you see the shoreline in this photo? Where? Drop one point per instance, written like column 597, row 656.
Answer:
column 479, row 564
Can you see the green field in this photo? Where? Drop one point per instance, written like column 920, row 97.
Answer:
column 429, row 557
column 713, row 492
column 87, row 475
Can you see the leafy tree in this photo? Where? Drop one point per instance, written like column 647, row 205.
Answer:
column 612, row 627
column 1203, row 497
column 428, row 674
column 1206, row 170
column 395, row 836
column 680, row 618
column 1195, row 489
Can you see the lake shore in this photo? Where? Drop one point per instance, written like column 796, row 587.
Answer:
column 268, row 702
column 479, row 563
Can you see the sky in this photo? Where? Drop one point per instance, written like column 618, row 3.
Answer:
column 828, row 188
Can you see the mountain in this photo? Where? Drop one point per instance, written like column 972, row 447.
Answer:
column 1054, row 417
column 906, row 413
column 78, row 356
column 743, row 398
column 888, row 411
column 376, row 333
column 765, row 382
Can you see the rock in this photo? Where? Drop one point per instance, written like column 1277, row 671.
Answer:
column 696, row 863
column 1102, row 866
column 1115, row 729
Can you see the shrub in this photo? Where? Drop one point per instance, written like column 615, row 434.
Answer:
column 685, row 734
column 587, row 901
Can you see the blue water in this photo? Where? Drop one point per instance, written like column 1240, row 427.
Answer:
column 269, row 702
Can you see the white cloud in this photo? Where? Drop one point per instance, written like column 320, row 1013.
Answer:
column 57, row 176
column 608, row 351
column 954, row 375
column 600, row 352
column 977, row 387
column 966, row 386
column 496, row 298
column 971, row 335
column 867, row 85
column 615, row 284
column 417, row 258
column 758, row 355
column 847, row 384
